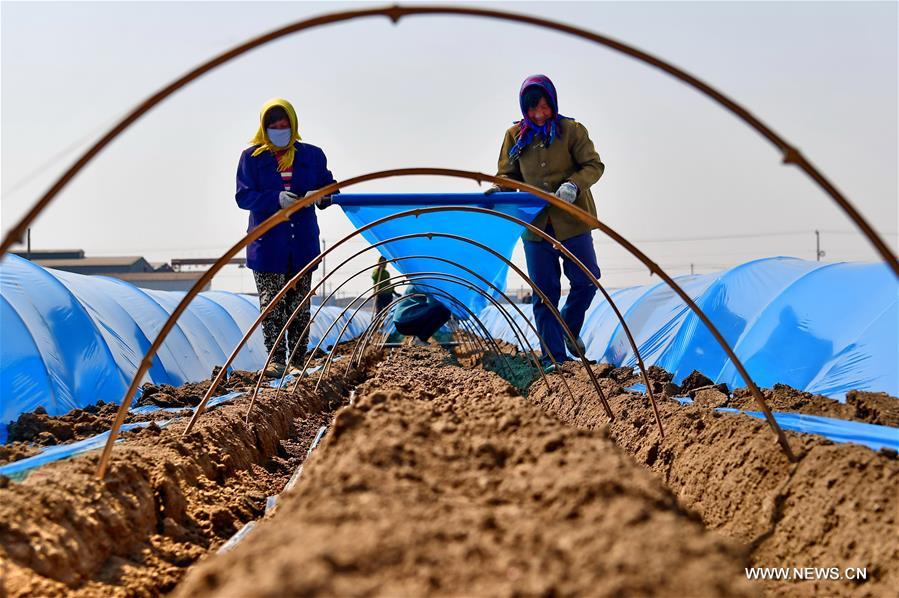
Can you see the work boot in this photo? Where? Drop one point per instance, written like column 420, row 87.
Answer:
column 573, row 349
column 550, row 367
column 274, row 369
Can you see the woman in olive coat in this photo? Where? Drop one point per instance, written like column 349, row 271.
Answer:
column 555, row 153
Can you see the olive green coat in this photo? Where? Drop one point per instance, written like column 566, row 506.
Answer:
column 571, row 157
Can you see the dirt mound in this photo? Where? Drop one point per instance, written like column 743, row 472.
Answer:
column 441, row 480
column 868, row 407
column 836, row 507
column 693, row 381
column 165, row 501
column 190, row 395
column 45, row 430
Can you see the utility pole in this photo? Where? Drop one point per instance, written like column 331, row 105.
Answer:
column 691, row 269
column 818, row 252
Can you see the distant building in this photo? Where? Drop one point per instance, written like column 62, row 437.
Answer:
column 134, row 269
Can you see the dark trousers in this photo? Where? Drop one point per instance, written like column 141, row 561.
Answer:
column 268, row 284
column 543, row 268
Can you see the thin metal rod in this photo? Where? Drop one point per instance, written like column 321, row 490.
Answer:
column 372, row 288
column 457, row 332
column 432, row 275
column 546, row 301
column 313, row 291
column 791, row 154
column 478, row 342
column 478, row 345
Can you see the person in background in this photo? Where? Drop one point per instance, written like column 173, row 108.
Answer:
column 379, row 278
column 554, row 153
column 419, row 315
column 273, row 173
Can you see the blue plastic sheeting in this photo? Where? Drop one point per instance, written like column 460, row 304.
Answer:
column 68, row 340
column 497, row 233
column 820, row 328
column 838, row 430
column 213, row 402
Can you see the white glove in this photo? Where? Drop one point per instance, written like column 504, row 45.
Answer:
column 321, row 202
column 567, row 191
column 286, row 199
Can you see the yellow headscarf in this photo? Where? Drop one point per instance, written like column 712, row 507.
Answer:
column 261, row 138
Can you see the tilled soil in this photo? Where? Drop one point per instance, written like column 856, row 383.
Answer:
column 443, row 480
column 836, row 507
column 166, row 499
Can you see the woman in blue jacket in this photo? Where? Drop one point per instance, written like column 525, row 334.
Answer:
column 273, row 174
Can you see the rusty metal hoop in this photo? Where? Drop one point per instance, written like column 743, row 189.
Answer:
column 415, row 277
column 352, row 303
column 436, row 290
column 512, row 322
column 438, row 276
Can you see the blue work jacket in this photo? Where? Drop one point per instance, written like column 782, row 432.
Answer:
column 288, row 247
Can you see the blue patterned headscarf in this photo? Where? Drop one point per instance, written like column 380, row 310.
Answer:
column 550, row 129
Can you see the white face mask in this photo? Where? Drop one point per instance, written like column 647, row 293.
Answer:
column 280, row 137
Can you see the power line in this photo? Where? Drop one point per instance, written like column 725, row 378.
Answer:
column 742, row 236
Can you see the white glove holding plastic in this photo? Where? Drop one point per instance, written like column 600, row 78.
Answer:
column 286, row 199
column 567, row 191
column 321, row 202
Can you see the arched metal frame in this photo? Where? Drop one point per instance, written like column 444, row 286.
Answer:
column 434, row 276
column 517, row 270
column 485, row 334
column 414, row 279
column 516, row 329
column 414, row 212
column 791, row 155
column 333, row 272
column 290, row 319
column 558, row 246
column 284, row 215
column 405, row 278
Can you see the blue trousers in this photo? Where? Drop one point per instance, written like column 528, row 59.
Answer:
column 543, row 268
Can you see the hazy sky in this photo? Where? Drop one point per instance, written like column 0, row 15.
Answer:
column 685, row 179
